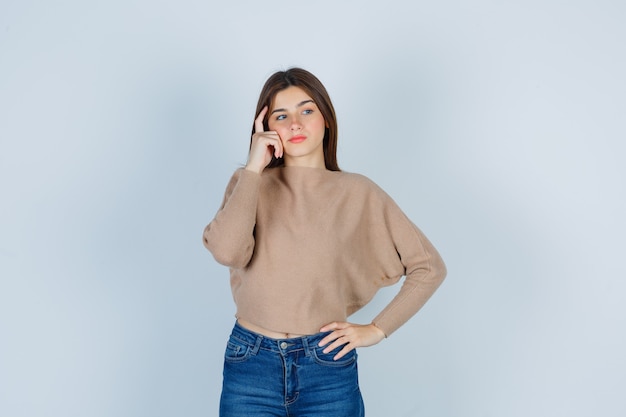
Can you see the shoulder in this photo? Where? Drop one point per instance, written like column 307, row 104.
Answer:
column 353, row 178
column 243, row 175
column 365, row 185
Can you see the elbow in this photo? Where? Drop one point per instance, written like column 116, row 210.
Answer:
column 432, row 270
column 439, row 270
column 231, row 260
column 228, row 255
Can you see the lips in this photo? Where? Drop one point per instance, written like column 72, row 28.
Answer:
column 297, row 139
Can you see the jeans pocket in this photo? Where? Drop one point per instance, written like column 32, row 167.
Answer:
column 326, row 359
column 236, row 350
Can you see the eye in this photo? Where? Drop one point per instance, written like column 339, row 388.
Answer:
column 307, row 111
column 281, row 117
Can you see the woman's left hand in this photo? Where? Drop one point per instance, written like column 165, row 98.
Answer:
column 350, row 336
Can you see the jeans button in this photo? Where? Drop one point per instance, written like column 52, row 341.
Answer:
column 283, row 345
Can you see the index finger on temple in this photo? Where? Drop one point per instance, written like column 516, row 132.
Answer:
column 258, row 122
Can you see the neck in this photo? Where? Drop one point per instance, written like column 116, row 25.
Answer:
column 307, row 162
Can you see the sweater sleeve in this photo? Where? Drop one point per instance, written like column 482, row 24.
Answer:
column 230, row 235
column 423, row 266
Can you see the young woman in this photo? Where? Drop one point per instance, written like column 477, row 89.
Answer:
column 308, row 245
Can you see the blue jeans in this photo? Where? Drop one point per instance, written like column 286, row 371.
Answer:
column 287, row 378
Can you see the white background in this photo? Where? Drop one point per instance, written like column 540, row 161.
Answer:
column 498, row 127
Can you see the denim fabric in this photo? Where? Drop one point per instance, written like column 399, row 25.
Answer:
column 287, row 378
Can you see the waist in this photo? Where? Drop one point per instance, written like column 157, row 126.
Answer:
column 265, row 332
column 283, row 345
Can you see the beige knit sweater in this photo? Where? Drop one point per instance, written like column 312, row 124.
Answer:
column 308, row 246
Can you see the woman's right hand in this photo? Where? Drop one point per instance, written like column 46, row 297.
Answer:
column 264, row 145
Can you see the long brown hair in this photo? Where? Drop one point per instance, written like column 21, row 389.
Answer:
column 309, row 83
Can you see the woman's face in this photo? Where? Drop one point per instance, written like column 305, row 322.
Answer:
column 300, row 125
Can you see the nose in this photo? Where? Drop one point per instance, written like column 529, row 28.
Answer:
column 295, row 124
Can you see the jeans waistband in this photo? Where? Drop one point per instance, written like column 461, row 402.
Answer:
column 258, row 341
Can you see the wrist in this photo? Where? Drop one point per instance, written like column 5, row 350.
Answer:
column 249, row 167
column 379, row 330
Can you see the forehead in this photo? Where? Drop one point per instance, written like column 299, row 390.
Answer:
column 290, row 97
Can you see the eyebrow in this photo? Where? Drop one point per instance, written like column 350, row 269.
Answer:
column 302, row 103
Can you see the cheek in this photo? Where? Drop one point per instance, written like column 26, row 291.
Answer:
column 273, row 127
column 281, row 130
column 320, row 124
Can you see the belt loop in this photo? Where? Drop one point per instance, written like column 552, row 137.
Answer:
column 307, row 348
column 257, row 345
